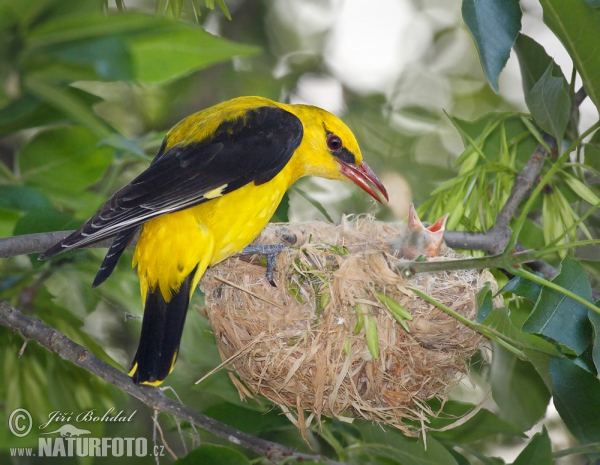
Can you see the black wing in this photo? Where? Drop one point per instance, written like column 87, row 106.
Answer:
column 116, row 249
column 252, row 148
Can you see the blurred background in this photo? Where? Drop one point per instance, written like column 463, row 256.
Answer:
column 392, row 70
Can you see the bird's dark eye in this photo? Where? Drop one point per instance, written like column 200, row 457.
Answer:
column 334, row 142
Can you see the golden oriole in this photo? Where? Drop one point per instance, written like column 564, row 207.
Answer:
column 213, row 186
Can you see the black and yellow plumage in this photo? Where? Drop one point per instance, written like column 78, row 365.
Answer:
column 213, row 186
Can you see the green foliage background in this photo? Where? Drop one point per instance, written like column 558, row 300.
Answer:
column 88, row 91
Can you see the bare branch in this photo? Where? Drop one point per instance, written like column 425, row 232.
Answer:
column 55, row 341
column 40, row 242
column 477, row 241
column 523, row 183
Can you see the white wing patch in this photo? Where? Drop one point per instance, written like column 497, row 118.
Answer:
column 213, row 194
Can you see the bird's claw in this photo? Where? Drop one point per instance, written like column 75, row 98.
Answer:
column 271, row 252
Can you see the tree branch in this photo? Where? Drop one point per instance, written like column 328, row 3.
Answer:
column 40, row 242
column 55, row 341
column 495, row 240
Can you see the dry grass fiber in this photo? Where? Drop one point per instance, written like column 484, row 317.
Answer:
column 295, row 344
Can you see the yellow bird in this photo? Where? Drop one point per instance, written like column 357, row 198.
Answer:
column 213, row 186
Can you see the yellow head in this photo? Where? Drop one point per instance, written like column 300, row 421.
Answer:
column 330, row 150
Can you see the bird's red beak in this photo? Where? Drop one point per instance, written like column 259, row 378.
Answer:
column 364, row 177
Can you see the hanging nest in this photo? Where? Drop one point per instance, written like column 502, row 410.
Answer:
column 309, row 344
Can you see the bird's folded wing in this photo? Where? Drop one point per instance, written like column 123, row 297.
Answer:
column 253, row 148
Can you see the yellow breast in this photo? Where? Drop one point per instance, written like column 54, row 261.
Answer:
column 172, row 245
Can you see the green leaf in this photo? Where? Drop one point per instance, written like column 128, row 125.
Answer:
column 483, row 424
column 577, row 25
column 390, row 446
column 68, row 103
column 460, row 459
column 595, row 321
column 541, row 363
column 28, row 111
column 108, row 57
column 502, row 324
column 64, row 160
column 559, row 317
column 550, row 104
column 517, row 389
column 161, row 49
column 484, row 303
column 538, row 451
column 577, row 398
column 533, row 61
column 64, row 302
column 494, row 25
column 592, row 152
column 209, row 454
column 583, row 191
column 586, row 361
column 255, row 422
column 23, row 198
column 532, row 236
column 523, row 288
column 8, row 220
column 497, row 145
column 47, row 220
column 176, row 7
column 76, row 27
column 224, row 9
column 167, row 55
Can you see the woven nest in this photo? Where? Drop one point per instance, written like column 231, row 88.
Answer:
column 296, row 344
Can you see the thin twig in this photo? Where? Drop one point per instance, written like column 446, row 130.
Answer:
column 162, row 436
column 55, row 341
column 477, row 263
column 23, row 347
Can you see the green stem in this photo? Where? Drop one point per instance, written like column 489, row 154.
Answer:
column 544, row 282
column 581, row 219
column 332, row 441
column 475, row 453
column 570, row 245
column 493, row 261
column 533, row 130
column 5, row 170
column 549, row 174
column 471, row 324
column 592, row 448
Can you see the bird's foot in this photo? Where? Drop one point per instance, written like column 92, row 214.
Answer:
column 271, row 252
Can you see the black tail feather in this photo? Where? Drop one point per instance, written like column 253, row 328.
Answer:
column 162, row 328
column 119, row 244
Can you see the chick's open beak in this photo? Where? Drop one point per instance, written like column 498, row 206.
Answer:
column 364, row 177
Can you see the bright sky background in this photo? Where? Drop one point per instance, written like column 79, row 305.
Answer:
column 370, row 45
